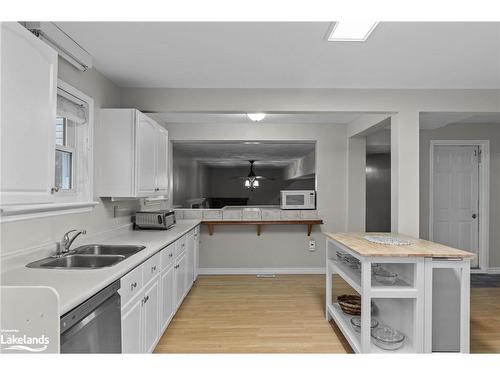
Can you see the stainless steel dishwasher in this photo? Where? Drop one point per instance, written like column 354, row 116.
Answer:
column 95, row 325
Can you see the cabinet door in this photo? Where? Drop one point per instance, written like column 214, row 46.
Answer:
column 28, row 102
column 132, row 327
column 151, row 315
column 180, row 280
column 162, row 161
column 145, row 156
column 196, row 251
column 189, row 260
column 167, row 297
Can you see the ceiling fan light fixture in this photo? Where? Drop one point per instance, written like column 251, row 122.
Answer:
column 256, row 117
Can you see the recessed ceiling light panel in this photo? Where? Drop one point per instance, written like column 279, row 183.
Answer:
column 256, row 117
column 351, row 31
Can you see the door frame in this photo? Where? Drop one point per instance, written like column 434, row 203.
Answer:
column 484, row 195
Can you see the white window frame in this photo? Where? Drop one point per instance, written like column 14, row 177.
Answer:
column 80, row 197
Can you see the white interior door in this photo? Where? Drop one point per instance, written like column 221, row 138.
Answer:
column 456, row 197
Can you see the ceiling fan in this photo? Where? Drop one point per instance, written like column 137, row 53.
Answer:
column 251, row 181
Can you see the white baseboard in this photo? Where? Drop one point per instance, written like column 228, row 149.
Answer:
column 494, row 270
column 258, row 271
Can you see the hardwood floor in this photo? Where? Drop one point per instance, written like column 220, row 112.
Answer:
column 246, row 314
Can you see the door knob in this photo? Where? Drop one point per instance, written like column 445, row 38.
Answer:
column 474, row 216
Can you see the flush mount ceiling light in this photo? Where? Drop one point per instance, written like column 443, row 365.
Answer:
column 256, row 117
column 351, row 31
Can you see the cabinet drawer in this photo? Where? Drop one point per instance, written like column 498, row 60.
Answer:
column 131, row 285
column 151, row 268
column 167, row 256
column 180, row 246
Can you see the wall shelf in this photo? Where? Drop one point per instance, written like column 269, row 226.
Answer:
column 259, row 223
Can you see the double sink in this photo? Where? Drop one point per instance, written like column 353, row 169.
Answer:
column 89, row 257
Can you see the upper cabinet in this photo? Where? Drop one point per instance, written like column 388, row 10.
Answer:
column 28, row 114
column 133, row 157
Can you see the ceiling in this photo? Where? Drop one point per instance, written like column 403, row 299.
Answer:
column 291, row 54
column 230, row 154
column 434, row 120
column 271, row 118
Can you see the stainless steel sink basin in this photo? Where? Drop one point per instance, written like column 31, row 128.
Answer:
column 125, row 250
column 78, row 261
column 89, row 257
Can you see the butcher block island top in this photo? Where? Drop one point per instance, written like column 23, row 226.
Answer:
column 418, row 247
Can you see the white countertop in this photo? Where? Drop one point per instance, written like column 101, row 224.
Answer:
column 75, row 286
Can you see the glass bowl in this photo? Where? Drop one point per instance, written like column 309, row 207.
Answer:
column 387, row 338
column 356, row 323
column 385, row 277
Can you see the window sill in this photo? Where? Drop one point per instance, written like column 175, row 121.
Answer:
column 34, row 211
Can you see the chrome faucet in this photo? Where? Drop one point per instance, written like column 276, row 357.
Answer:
column 65, row 244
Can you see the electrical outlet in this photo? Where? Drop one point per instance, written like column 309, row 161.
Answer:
column 312, row 245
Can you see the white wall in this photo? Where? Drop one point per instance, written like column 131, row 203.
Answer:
column 283, row 246
column 489, row 132
column 34, row 233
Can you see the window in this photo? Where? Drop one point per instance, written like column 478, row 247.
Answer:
column 65, row 154
column 71, row 138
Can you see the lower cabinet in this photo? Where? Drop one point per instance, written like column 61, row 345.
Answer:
column 180, row 279
column 153, row 291
column 151, row 315
column 132, row 327
column 140, row 320
column 167, row 297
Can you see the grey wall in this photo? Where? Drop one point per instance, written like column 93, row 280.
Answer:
column 222, row 183
column 33, row 233
column 189, row 179
column 279, row 246
column 378, row 192
column 489, row 132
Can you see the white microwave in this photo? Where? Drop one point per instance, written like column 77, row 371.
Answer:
column 298, row 200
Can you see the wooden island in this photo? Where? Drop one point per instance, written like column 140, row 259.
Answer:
column 428, row 302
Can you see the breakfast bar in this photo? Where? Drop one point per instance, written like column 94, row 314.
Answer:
column 413, row 293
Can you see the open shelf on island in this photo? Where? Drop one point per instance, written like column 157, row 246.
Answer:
column 343, row 321
column 401, row 289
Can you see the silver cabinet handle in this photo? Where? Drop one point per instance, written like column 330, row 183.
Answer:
column 133, row 285
column 145, row 299
column 153, row 269
column 54, row 189
column 170, row 255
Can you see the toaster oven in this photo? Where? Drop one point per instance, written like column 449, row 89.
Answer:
column 162, row 219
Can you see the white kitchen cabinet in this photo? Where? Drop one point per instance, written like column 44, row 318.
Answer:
column 162, row 161
column 140, row 320
column 190, row 249
column 152, row 293
column 146, row 156
column 151, row 310
column 132, row 327
column 28, row 102
column 180, row 280
column 196, row 251
column 167, row 297
column 133, row 157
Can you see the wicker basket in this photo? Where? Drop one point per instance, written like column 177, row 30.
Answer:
column 350, row 304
